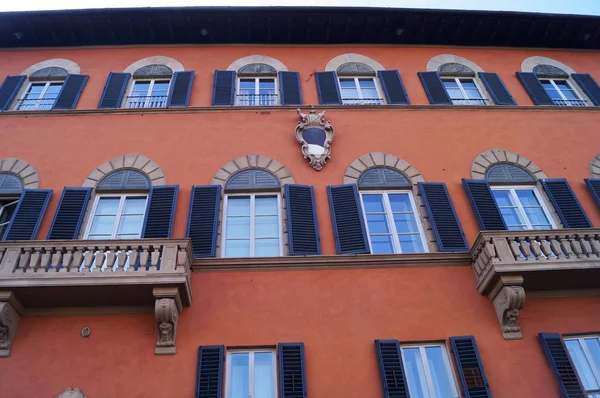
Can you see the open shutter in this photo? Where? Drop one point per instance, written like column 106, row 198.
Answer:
column 223, row 88
column 565, row 203
column 484, row 205
column 496, row 88
column 203, row 219
column 289, row 88
column 292, row 376
column 470, row 368
column 181, row 88
column 328, row 88
column 589, row 86
column 593, row 185
column 391, row 369
column 69, row 214
column 534, row 88
column 69, row 93
column 561, row 364
column 303, row 226
column 209, row 371
column 434, row 88
column 28, row 215
column 160, row 211
column 9, row 89
column 391, row 82
column 114, row 89
column 442, row 216
column 347, row 219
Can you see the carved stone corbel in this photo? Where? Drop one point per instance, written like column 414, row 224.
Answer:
column 509, row 298
column 166, row 309
column 71, row 393
column 10, row 313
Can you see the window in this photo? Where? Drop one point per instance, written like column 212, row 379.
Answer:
column 40, row 96
column 359, row 90
column 522, row 208
column 257, row 91
column 7, row 209
column 251, row 374
column 585, row 353
column 562, row 92
column 463, row 91
column 117, row 217
column 151, row 93
column 428, row 371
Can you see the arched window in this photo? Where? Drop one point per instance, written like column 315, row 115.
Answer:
column 257, row 85
column 556, row 84
column 11, row 187
column 150, row 87
column 358, row 84
column 461, row 84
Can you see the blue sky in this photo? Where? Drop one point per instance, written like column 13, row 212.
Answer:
column 589, row 7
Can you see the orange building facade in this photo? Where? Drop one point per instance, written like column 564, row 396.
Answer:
column 462, row 259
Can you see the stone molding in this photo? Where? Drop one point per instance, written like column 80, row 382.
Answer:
column 166, row 310
column 509, row 298
column 11, row 311
column 68, row 65
column 71, row 393
column 252, row 161
column 175, row 65
column 338, row 61
column 257, row 59
column 437, row 61
column 595, row 167
column 131, row 161
column 494, row 156
column 528, row 64
column 25, row 171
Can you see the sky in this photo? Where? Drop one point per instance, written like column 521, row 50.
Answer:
column 586, row 7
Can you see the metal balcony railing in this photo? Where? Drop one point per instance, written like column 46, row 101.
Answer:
column 469, row 101
column 362, row 101
column 153, row 101
column 44, row 104
column 577, row 102
column 257, row 99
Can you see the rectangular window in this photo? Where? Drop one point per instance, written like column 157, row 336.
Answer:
column 522, row 208
column 117, row 217
column 7, row 209
column 359, row 91
column 257, row 91
column 428, row 371
column 463, row 91
column 252, row 226
column 251, row 374
column 562, row 93
column 148, row 94
column 393, row 225
column 40, row 96
column 585, row 353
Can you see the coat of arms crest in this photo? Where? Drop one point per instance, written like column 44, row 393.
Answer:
column 315, row 135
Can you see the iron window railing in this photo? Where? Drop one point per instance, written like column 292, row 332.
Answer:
column 35, row 104
column 152, row 101
column 570, row 102
column 257, row 99
column 362, row 101
column 469, row 101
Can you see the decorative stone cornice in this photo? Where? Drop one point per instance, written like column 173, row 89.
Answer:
column 484, row 160
column 380, row 159
column 25, row 171
column 252, row 161
column 131, row 161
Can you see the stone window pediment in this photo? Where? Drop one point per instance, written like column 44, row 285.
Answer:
column 49, row 73
column 508, row 173
column 257, row 69
column 253, row 180
column 127, row 179
column 355, row 69
column 455, row 69
column 154, row 70
column 10, row 183
column 383, row 177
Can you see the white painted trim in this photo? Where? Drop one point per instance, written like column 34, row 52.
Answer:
column 256, row 87
column 250, row 353
column 463, row 92
column 359, row 90
column 118, row 216
column 517, row 203
column 338, row 61
column 150, row 88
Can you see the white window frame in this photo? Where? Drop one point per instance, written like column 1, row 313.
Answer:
column 251, row 353
column 119, row 214
column 464, row 100
column 428, row 374
column 252, row 196
column 567, row 101
column 40, row 97
column 520, row 208
column 148, row 99
column 257, row 88
column 390, row 218
column 8, row 202
column 361, row 100
column 588, row 357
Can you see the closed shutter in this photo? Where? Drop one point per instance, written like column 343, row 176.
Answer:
column 69, row 214
column 69, row 93
column 328, row 88
column 223, row 88
column 565, row 203
column 534, row 88
column 391, row 369
column 434, row 88
column 292, row 375
column 303, row 226
column 391, row 82
column 28, row 215
column 496, row 88
column 347, row 219
column 158, row 222
column 114, row 89
column 442, row 216
column 203, row 219
column 484, row 205
column 209, row 372
column 289, row 87
column 589, row 86
column 470, row 368
column 9, row 89
column 561, row 365
column 593, row 185
column 181, row 88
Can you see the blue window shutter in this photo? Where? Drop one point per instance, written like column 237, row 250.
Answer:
column 292, row 374
column 496, row 88
column 434, row 88
column 534, row 88
column 589, row 86
column 561, row 365
column 114, row 90
column 203, row 219
column 565, row 203
column 328, row 88
column 209, row 371
column 302, row 222
column 391, row 83
column 593, row 185
column 289, row 88
column 347, row 219
column 470, row 368
column 160, row 211
column 484, row 205
column 442, row 216
column 181, row 89
column 391, row 369
column 69, row 214
column 28, row 215
column 9, row 89
column 223, row 88
column 70, row 92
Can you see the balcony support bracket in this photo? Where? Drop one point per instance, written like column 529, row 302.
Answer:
column 10, row 314
column 166, row 309
column 508, row 297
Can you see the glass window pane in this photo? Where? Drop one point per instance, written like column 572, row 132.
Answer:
column 266, row 84
column 468, row 84
column 511, row 216
column 411, row 243
column 263, row 375
column 266, row 226
column 239, row 383
column 135, row 206
column 536, row 215
column 246, row 86
column 108, row 206
column 405, row 223
column 99, row 237
column 455, row 93
column 131, row 224
column 382, row 244
column 400, row 202
column 527, row 197
column 415, row 373
column 103, row 225
column 593, row 346
column 442, row 380
column 237, row 227
column 128, row 236
column 473, row 94
column 373, row 203
column 141, row 86
column 582, row 365
column 370, row 93
column 366, row 83
column 237, row 248
column 266, row 247
column 377, row 224
column 347, row 83
column 562, row 85
column 502, row 197
column 266, row 205
column 238, row 206
column 449, row 84
column 35, row 90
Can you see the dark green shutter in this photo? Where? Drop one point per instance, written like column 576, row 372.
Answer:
column 209, row 372
column 69, row 214
column 442, row 216
column 328, row 88
column 303, row 225
column 593, row 185
column 565, row 203
column 484, row 205
column 434, row 88
column 391, row 369
column 470, row 368
column 223, row 88
column 160, row 211
column 347, row 219
column 534, row 88
column 9, row 89
column 391, row 83
column 181, row 89
column 589, row 86
column 28, row 214
column 203, row 219
column 561, row 364
column 114, row 90
column 496, row 88
column 289, row 88
column 70, row 92
column 292, row 375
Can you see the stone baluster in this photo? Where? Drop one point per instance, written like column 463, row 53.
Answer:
column 576, row 247
column 111, row 258
column 182, row 258
column 56, row 260
column 134, row 254
column 154, row 258
column 586, row 246
column 565, row 245
column 99, row 259
column 525, row 248
column 535, row 246
column 515, row 247
column 36, row 259
column 88, row 260
column 2, row 250
column 547, row 250
column 78, row 256
column 121, row 259
column 595, row 245
column 556, row 248
column 67, row 260
column 144, row 257
column 46, row 257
